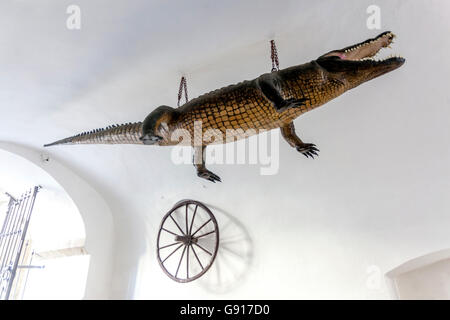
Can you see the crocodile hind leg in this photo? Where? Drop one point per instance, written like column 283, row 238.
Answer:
column 199, row 164
column 271, row 90
column 307, row 149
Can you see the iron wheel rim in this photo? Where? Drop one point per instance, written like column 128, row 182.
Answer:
column 182, row 244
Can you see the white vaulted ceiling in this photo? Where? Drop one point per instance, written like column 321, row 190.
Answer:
column 377, row 194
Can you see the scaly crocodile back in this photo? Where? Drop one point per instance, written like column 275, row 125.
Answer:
column 244, row 106
column 128, row 133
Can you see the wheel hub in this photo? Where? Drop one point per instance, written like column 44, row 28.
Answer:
column 186, row 239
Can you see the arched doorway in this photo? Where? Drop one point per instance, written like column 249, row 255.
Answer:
column 73, row 228
column 53, row 262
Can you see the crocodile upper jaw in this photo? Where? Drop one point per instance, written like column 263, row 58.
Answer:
column 358, row 63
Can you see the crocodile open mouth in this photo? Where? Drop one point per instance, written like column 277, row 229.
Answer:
column 366, row 50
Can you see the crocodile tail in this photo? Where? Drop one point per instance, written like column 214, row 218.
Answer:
column 128, row 133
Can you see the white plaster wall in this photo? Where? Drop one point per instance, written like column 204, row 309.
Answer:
column 326, row 228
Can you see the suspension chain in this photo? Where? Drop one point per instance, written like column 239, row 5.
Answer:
column 183, row 87
column 274, row 56
column 275, row 67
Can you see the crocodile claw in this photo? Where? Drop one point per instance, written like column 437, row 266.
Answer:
column 308, row 150
column 208, row 175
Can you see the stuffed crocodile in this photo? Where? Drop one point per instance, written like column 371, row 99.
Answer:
column 270, row 101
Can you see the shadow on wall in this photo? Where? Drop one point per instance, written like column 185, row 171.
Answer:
column 234, row 256
column 426, row 277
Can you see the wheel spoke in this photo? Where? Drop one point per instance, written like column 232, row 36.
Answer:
column 169, row 245
column 202, row 226
column 205, row 234
column 187, row 228
column 170, row 232
column 187, row 263
column 195, row 254
column 203, row 249
column 181, row 259
column 182, row 232
column 172, row 253
column 193, row 217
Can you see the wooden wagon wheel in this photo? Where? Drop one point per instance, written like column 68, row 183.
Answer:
column 192, row 227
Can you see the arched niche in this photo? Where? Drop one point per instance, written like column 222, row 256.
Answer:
column 425, row 277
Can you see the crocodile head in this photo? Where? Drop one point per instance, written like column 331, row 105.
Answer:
column 155, row 128
column 357, row 64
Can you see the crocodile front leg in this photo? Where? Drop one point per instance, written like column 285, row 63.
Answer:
column 307, row 149
column 199, row 164
column 270, row 88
